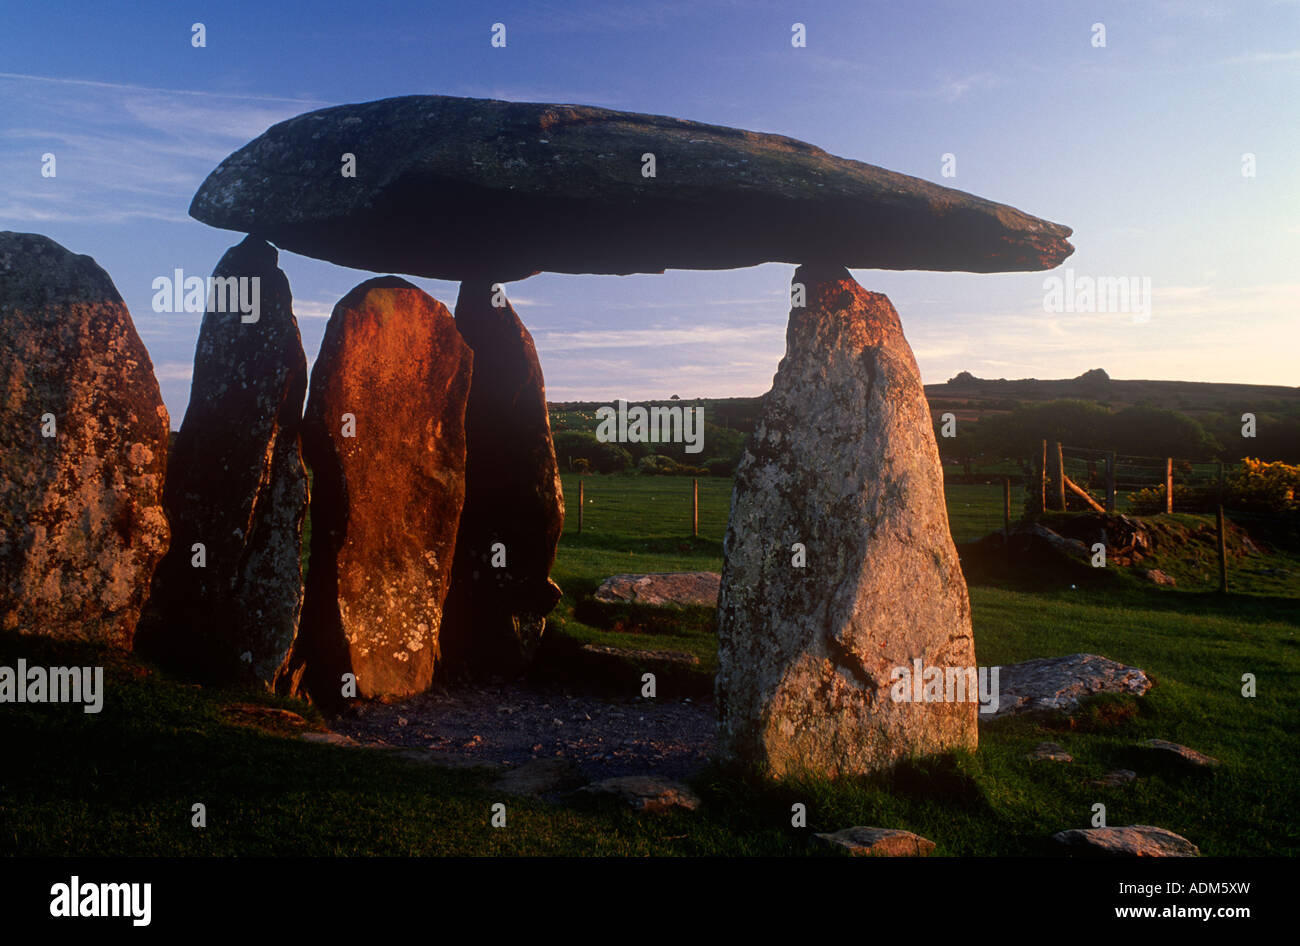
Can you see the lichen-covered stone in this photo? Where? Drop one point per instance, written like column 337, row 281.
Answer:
column 1060, row 684
column 1134, row 840
column 862, row 841
column 842, row 464
column 81, row 517
column 514, row 504
column 460, row 188
column 236, row 485
column 384, row 435
column 661, row 589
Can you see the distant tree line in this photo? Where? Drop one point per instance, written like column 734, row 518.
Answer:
column 1141, row 430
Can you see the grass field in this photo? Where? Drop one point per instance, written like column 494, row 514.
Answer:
column 124, row 781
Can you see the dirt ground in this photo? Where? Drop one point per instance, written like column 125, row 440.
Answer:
column 511, row 724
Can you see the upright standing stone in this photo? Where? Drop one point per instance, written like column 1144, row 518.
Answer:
column 83, row 437
column 384, row 434
column 514, row 504
column 842, row 475
column 227, row 596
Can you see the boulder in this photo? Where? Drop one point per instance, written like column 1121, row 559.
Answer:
column 877, row 842
column 514, row 504
column 1135, row 840
column 237, row 486
column 644, row 794
column 1060, row 684
column 83, row 436
column 459, row 188
column 839, row 566
column 384, row 435
column 663, row 589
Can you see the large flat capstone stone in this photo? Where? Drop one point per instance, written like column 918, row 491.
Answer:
column 460, row 188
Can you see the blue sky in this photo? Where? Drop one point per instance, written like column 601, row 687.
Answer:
column 1138, row 146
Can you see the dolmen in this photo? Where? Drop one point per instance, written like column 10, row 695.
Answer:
column 435, row 502
column 840, row 568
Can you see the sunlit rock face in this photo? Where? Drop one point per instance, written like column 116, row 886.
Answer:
column 83, row 437
column 384, row 435
column 839, row 566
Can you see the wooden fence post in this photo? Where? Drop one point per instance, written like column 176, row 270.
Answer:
column 695, row 508
column 1169, row 484
column 1059, row 490
column 1223, row 538
column 1042, row 482
column 581, row 502
column 1110, row 483
column 1006, row 508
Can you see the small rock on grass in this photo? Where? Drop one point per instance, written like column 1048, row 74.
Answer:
column 1135, row 840
column 1049, row 752
column 1113, row 779
column 1190, row 756
column 878, row 842
column 645, row 794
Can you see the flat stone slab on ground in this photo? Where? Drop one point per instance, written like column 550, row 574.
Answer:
column 330, row 739
column 878, row 842
column 1114, row 779
column 270, row 712
column 661, row 589
column 1049, row 752
column 1058, row 684
column 541, row 777
column 645, row 794
column 1135, row 840
column 1190, row 756
column 644, row 656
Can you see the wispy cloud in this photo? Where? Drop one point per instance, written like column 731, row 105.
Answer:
column 122, row 151
column 666, row 337
column 1247, row 59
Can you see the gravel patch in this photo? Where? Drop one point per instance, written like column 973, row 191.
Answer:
column 512, row 724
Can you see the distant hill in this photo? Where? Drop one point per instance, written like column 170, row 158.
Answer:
column 970, row 396
column 1215, row 407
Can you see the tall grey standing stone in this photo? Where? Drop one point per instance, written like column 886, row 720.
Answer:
column 843, row 463
column 81, row 516
column 514, row 504
column 236, row 486
column 384, row 433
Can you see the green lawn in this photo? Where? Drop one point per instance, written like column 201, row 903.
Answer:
column 124, row 781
